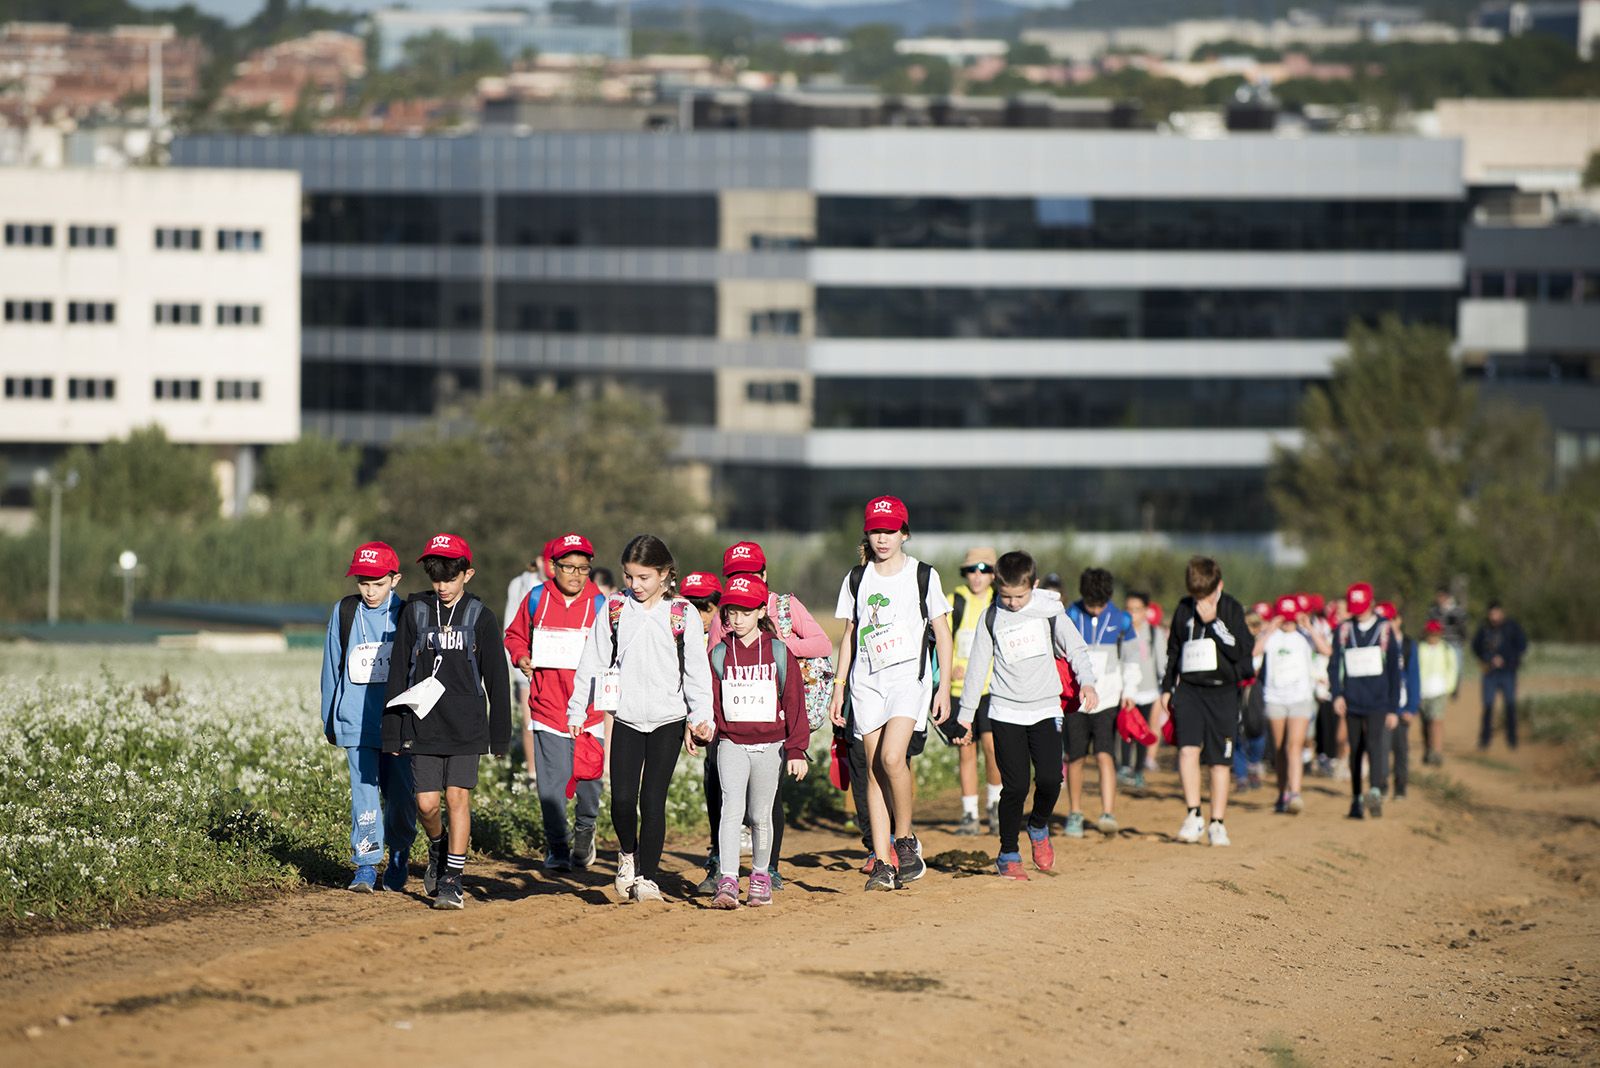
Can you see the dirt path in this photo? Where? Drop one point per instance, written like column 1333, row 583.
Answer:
column 1436, row 935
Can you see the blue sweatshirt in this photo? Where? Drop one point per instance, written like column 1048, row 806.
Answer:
column 1411, row 692
column 352, row 713
column 1375, row 695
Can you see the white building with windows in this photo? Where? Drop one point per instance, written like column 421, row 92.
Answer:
column 139, row 296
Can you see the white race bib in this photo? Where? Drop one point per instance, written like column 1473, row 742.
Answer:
column 608, row 691
column 964, row 644
column 421, row 698
column 557, row 648
column 890, row 644
column 1026, row 641
column 1107, row 683
column 749, row 701
column 1199, row 655
column 369, row 662
column 1363, row 662
column 1435, row 686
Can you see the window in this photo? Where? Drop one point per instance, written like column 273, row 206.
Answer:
column 30, row 311
column 180, row 238
column 92, row 236
column 775, row 323
column 786, row 391
column 238, row 240
column 91, row 311
column 177, row 315
column 238, row 315
column 1491, row 284
column 234, row 389
column 21, row 388
column 177, row 389
column 30, row 235
column 92, row 389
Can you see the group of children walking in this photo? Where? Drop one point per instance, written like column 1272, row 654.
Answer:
column 416, row 693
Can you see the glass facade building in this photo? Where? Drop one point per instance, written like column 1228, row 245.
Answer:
column 1011, row 329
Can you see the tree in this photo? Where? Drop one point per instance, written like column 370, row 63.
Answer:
column 139, row 478
column 522, row 466
column 1591, row 171
column 314, row 478
column 1028, row 54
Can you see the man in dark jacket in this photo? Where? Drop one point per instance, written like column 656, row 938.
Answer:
column 1499, row 646
column 1208, row 652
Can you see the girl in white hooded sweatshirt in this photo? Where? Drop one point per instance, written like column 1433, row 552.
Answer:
column 644, row 664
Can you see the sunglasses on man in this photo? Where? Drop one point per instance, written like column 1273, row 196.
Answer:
column 977, row 569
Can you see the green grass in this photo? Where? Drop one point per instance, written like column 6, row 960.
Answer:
column 1444, row 789
column 1281, row 1053
column 1555, row 660
column 1568, row 720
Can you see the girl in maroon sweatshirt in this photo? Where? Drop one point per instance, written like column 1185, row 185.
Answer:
column 760, row 706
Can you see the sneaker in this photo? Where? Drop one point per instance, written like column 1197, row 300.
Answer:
column 366, row 879
column 625, row 875
column 1294, row 805
column 583, row 847
column 994, row 817
column 869, row 863
column 968, row 826
column 1106, row 824
column 1124, row 777
column 398, row 871
column 1324, row 767
column 760, row 891
column 1193, row 827
column 1138, row 780
column 774, row 879
column 645, row 890
column 709, row 884
column 1217, row 834
column 1255, row 776
column 1375, row 803
column 1009, row 865
column 747, row 844
column 1341, row 771
column 1074, row 825
column 1355, row 812
column 727, row 893
column 1398, row 795
column 882, row 877
column 1044, row 854
column 1281, row 805
column 557, row 859
column 430, row 877
column 449, row 894
column 909, row 854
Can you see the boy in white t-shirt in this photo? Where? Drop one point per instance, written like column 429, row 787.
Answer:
column 1286, row 671
column 896, row 644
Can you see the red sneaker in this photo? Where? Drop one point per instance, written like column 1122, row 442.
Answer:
column 1044, row 854
column 1012, row 869
column 872, row 859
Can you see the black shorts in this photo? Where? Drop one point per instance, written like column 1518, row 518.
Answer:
column 980, row 720
column 1082, row 728
column 1206, row 718
column 433, row 773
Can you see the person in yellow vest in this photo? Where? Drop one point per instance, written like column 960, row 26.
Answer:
column 970, row 602
column 1439, row 665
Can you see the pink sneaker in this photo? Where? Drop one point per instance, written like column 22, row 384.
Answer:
column 1044, row 854
column 727, row 893
column 1012, row 869
column 760, row 892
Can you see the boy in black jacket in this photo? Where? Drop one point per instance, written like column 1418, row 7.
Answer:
column 1208, row 652
column 450, row 638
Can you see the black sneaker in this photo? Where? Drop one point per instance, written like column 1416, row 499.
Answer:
column 911, row 866
column 558, row 858
column 449, row 894
column 430, row 877
column 583, row 847
column 1355, row 811
column 713, row 868
column 883, row 877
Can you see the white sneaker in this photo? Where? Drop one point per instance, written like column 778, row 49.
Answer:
column 1218, row 834
column 1107, row 823
column 747, row 845
column 625, row 876
column 1193, row 827
column 645, row 890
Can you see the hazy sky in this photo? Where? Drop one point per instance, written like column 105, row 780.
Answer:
column 240, row 10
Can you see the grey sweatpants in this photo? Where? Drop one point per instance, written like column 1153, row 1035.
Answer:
column 552, row 766
column 749, row 783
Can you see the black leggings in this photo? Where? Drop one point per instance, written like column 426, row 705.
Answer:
column 714, row 807
column 1400, row 755
column 1015, row 748
column 1370, row 738
column 641, row 770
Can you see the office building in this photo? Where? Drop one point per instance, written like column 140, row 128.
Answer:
column 139, row 296
column 1108, row 331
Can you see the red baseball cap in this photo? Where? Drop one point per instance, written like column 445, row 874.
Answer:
column 885, row 513
column 567, row 544
column 450, row 546
column 1358, row 598
column 745, row 591
column 1387, row 610
column 1262, row 609
column 1153, row 614
column 1433, row 626
column 1317, row 602
column 1302, row 602
column 700, row 584
column 1289, row 607
column 745, row 558
column 375, row 559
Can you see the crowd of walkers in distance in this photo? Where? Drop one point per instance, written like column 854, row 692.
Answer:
column 617, row 684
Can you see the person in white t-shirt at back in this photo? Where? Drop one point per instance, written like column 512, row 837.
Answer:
column 896, row 643
column 1286, row 670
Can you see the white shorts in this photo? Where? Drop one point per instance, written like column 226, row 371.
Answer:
column 871, row 707
column 1293, row 710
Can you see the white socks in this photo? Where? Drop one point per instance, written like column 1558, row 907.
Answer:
column 969, row 805
column 994, row 794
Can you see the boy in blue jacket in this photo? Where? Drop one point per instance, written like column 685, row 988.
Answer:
column 1364, row 677
column 1410, row 701
column 355, row 672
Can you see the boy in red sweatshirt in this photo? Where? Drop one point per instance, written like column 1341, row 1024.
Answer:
column 758, row 698
column 544, row 640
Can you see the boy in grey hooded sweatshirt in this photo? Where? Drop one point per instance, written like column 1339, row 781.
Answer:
column 1022, row 635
